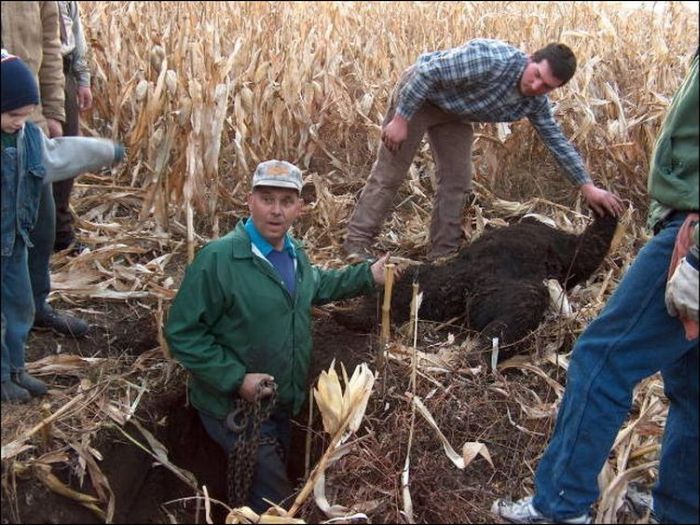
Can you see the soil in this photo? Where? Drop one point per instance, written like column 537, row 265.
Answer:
column 483, row 408
column 145, row 492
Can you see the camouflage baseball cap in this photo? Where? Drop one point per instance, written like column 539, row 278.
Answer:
column 278, row 173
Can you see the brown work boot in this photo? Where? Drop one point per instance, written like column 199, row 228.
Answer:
column 439, row 256
column 356, row 252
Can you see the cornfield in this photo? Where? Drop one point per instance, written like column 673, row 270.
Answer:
column 200, row 92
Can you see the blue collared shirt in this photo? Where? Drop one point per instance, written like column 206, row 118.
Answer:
column 480, row 81
column 284, row 261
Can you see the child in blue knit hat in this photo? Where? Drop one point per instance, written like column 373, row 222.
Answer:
column 29, row 160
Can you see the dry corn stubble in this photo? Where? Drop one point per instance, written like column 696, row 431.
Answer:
column 201, row 92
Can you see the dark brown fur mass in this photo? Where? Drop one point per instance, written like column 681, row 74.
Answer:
column 496, row 282
column 495, row 285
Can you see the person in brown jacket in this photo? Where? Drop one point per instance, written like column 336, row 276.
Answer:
column 78, row 98
column 30, row 30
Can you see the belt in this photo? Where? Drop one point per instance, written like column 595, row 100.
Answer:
column 670, row 217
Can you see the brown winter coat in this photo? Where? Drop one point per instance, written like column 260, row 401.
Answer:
column 30, row 30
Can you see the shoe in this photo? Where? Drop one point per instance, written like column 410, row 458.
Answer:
column 74, row 247
column 50, row 319
column 522, row 511
column 61, row 244
column 13, row 392
column 31, row 384
column 640, row 501
column 356, row 253
column 433, row 257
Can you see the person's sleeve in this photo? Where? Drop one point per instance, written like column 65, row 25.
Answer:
column 564, row 152
column 80, row 65
column 457, row 68
column 334, row 285
column 66, row 157
column 196, row 309
column 51, row 79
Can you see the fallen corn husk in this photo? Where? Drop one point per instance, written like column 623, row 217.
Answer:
column 335, row 404
column 248, row 515
column 558, row 302
column 342, row 413
column 470, row 449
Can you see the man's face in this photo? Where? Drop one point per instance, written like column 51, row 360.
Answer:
column 14, row 119
column 274, row 210
column 538, row 79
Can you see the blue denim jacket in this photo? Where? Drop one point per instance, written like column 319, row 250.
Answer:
column 39, row 160
column 22, row 178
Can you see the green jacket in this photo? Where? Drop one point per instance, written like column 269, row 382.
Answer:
column 673, row 175
column 233, row 315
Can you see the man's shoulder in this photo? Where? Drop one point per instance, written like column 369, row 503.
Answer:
column 235, row 242
column 494, row 55
column 492, row 46
column 298, row 243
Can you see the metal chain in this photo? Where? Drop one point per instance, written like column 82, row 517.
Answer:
column 245, row 419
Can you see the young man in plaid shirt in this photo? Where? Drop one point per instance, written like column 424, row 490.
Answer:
column 442, row 94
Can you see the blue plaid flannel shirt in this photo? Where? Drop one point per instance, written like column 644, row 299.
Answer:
column 479, row 81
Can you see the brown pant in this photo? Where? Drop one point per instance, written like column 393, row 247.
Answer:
column 450, row 138
column 62, row 189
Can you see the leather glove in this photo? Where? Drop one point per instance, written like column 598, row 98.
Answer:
column 682, row 289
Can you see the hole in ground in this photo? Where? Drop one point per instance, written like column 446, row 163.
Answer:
column 145, row 492
column 142, row 489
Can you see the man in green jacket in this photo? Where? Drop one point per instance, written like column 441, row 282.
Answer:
column 242, row 319
column 648, row 325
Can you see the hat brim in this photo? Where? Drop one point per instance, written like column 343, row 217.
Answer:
column 277, row 184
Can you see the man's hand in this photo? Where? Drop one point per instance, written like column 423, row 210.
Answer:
column 84, row 98
column 602, row 201
column 249, row 388
column 394, row 133
column 682, row 290
column 55, row 128
column 378, row 270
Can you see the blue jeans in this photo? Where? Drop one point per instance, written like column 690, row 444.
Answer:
column 42, row 236
column 633, row 338
column 270, row 480
column 17, row 308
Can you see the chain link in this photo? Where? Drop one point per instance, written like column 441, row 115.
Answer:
column 245, row 420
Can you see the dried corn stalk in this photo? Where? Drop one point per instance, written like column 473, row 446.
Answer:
column 342, row 413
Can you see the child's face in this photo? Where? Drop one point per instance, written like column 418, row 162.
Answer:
column 14, row 119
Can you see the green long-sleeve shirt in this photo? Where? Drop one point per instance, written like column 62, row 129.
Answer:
column 673, row 175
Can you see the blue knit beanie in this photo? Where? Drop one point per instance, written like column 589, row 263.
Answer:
column 19, row 87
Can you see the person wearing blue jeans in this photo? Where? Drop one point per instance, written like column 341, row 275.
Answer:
column 648, row 325
column 30, row 162
column 31, row 31
column 270, row 479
